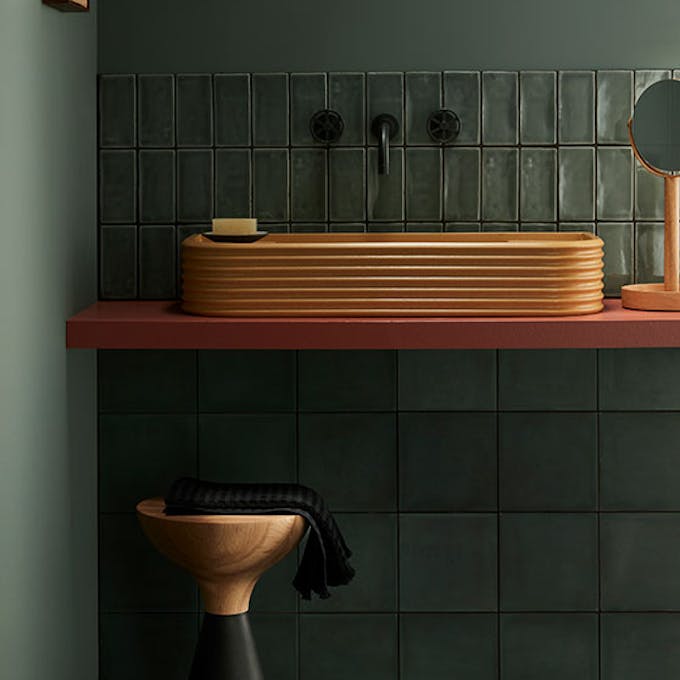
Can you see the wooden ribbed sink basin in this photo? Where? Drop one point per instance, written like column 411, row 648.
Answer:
column 450, row 274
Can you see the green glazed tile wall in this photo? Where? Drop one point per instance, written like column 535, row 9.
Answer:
column 538, row 151
column 515, row 515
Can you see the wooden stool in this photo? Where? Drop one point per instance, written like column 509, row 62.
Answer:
column 226, row 554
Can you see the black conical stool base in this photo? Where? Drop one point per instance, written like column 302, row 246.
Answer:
column 226, row 650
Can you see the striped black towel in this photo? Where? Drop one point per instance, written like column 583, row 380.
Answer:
column 325, row 559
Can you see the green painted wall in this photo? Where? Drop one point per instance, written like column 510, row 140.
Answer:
column 232, row 35
column 47, row 395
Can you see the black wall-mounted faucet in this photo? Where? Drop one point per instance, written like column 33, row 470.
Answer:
column 384, row 127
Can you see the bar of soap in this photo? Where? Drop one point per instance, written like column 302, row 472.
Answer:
column 234, row 226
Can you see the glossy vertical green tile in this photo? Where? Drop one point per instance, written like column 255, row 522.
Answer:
column 347, row 96
column 649, row 252
column 646, row 77
column 156, row 116
column 577, row 226
column 117, row 187
column 538, row 226
column 157, row 186
column 462, row 184
column 462, row 227
column 500, row 227
column 423, row 97
column 308, row 185
column 233, row 183
column 347, row 184
column 576, row 183
column 270, row 185
column 649, row 194
column 462, row 94
column 537, row 107
column 424, row 227
column 118, row 262
column 614, row 106
column 307, row 96
column 157, row 266
column 194, row 110
column 614, row 183
column 195, row 185
column 232, row 109
column 499, row 107
column 576, row 107
column 386, row 192
column 385, row 94
column 347, row 227
column 538, row 185
column 307, row 228
column 618, row 255
column 423, row 184
column 270, row 109
column 117, row 111
column 499, row 184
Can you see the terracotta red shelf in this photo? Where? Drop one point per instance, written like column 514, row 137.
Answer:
column 162, row 325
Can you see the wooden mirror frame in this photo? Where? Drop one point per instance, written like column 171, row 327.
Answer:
column 69, row 5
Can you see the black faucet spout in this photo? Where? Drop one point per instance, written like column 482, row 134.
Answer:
column 384, row 127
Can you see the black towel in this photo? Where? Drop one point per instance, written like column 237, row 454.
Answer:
column 325, row 559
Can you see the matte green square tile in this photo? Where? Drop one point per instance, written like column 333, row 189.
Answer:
column 246, row 381
column 233, row 183
column 232, row 109
column 640, row 646
column 247, row 448
column 614, row 183
column 447, row 562
column 461, row 184
column 499, row 184
column 423, row 184
column 347, row 96
column 117, row 186
column 538, row 185
column 276, row 639
column 499, row 107
column 195, row 185
column 447, row 380
column 462, row 94
column 576, row 183
column 649, row 194
column 347, row 184
column 445, row 646
column 649, row 252
column 537, row 107
column 555, row 646
column 576, row 107
column 118, row 262
column 308, row 185
column 548, row 380
column 385, row 94
column 361, row 645
column 147, row 381
column 640, row 561
column 614, row 106
column 270, row 185
column 447, row 461
column 423, row 97
column 350, row 459
column 577, row 226
column 157, row 266
column 640, row 379
column 463, row 227
column 373, row 541
column 548, row 461
column 143, row 646
column 157, row 186
column 141, row 455
column 274, row 591
column 548, row 562
column 307, row 96
column 134, row 576
column 386, row 192
column 352, row 380
column 156, row 116
column 194, row 110
column 117, row 111
column 646, row 77
column 638, row 454
column 270, row 109
column 619, row 269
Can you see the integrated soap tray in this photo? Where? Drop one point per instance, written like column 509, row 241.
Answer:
column 394, row 274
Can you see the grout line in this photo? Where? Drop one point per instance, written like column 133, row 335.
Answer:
column 498, row 520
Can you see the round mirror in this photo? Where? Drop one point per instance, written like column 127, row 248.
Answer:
column 655, row 127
